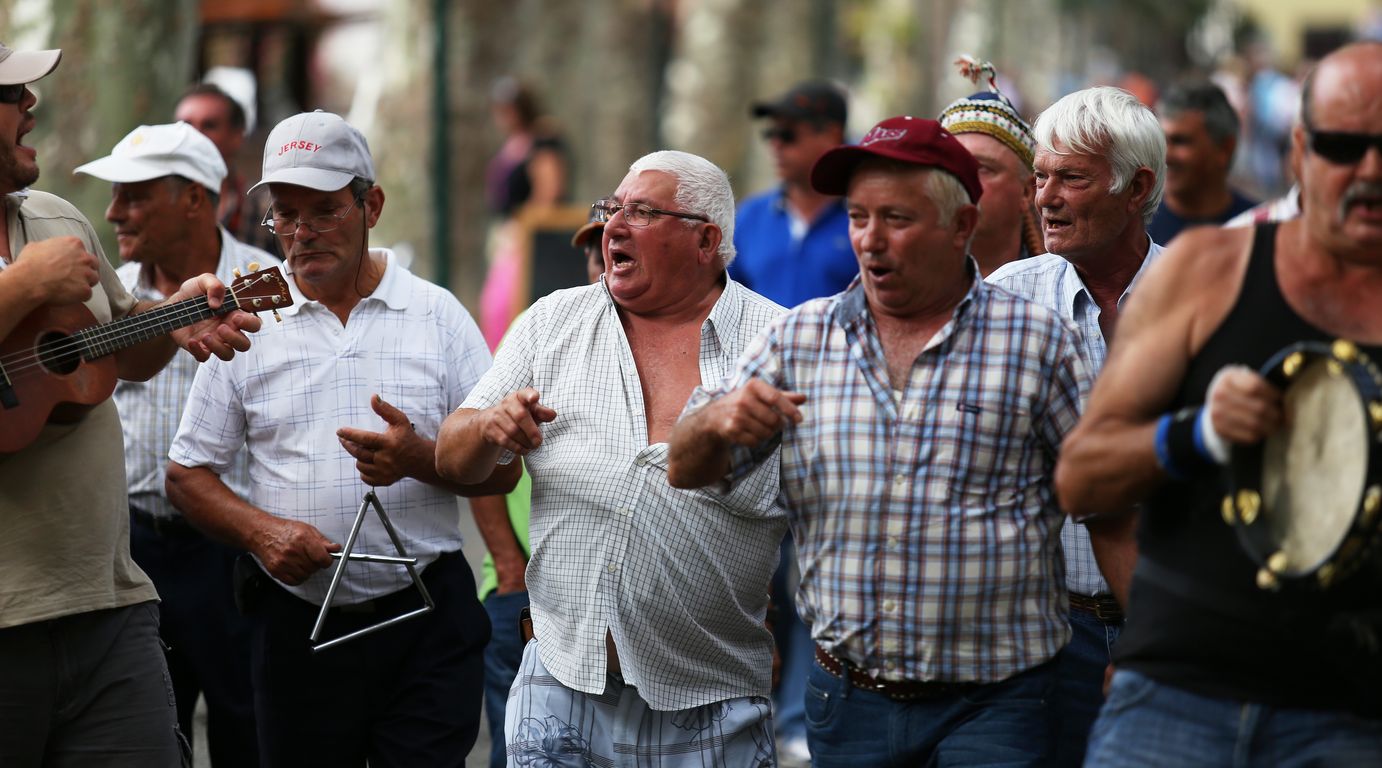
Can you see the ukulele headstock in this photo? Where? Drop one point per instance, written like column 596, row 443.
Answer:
column 261, row 291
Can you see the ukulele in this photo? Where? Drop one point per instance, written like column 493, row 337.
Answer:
column 56, row 366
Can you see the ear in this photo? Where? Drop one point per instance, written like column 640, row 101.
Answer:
column 966, row 219
column 709, row 246
column 1297, row 158
column 198, row 200
column 1029, row 188
column 374, row 205
column 1143, row 181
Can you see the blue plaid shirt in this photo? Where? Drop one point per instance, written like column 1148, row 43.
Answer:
column 926, row 525
column 1052, row 282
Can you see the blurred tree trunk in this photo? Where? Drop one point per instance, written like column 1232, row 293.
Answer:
column 123, row 64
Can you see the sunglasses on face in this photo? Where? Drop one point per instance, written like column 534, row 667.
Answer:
column 786, row 135
column 11, row 94
column 1342, row 148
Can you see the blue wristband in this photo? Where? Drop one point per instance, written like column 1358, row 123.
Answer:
column 1200, row 446
column 1163, row 448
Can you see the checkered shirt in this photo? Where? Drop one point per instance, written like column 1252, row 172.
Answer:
column 150, row 410
column 409, row 341
column 1052, row 282
column 926, row 526
column 680, row 578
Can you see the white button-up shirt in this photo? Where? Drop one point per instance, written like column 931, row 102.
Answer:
column 150, row 410
column 680, row 578
column 409, row 341
column 1053, row 282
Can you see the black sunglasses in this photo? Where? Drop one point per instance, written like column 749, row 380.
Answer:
column 1342, row 148
column 784, row 135
column 12, row 94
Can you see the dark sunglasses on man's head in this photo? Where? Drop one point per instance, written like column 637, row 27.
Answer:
column 786, row 135
column 1342, row 148
column 11, row 94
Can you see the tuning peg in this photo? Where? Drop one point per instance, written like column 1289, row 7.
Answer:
column 235, row 271
column 277, row 317
column 253, row 265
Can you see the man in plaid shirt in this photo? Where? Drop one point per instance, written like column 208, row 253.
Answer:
column 919, row 415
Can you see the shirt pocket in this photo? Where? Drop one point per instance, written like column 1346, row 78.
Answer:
column 991, row 433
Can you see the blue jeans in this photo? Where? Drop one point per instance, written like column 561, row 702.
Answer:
column 503, row 655
column 1149, row 724
column 1008, row 723
column 794, row 647
column 1080, row 670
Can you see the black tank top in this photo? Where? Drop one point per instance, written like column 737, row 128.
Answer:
column 1197, row 619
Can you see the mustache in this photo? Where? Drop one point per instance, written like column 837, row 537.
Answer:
column 1360, row 190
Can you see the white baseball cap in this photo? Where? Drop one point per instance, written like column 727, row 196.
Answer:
column 318, row 150
column 155, row 151
column 23, row 67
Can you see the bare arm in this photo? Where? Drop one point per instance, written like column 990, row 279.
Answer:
column 699, row 448
column 1114, row 541
column 492, row 518
column 384, row 458
column 471, row 441
column 291, row 551
column 1108, row 463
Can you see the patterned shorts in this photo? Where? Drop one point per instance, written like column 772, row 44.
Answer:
column 547, row 725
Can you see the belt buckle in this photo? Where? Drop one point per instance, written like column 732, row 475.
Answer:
column 1106, row 608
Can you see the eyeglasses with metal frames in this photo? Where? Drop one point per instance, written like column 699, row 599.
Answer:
column 636, row 214
column 318, row 224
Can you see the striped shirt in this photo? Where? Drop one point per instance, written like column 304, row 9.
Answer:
column 679, row 578
column 409, row 341
column 150, row 410
column 1052, row 282
column 926, row 525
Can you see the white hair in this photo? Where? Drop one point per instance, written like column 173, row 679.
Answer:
column 702, row 187
column 1110, row 122
column 947, row 193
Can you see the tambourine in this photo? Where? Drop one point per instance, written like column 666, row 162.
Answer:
column 1305, row 502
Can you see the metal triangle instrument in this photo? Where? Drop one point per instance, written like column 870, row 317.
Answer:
column 348, row 554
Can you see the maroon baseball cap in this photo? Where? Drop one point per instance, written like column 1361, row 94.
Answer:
column 905, row 139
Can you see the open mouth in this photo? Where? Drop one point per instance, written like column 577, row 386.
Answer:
column 620, row 260
column 878, row 272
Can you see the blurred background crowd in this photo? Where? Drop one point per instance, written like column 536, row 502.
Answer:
column 458, row 99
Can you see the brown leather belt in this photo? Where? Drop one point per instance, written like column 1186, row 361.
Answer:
column 898, row 690
column 1104, row 606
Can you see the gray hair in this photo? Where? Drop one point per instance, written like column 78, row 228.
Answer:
column 1110, row 122
column 702, row 187
column 1220, row 119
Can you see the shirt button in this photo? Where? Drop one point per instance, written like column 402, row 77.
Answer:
column 640, row 461
column 890, row 665
column 889, row 606
column 892, row 542
column 625, row 511
column 611, row 567
column 900, row 479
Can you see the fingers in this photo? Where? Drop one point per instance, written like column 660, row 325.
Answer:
column 293, row 551
column 1243, row 407
column 756, row 411
column 388, row 412
column 513, row 423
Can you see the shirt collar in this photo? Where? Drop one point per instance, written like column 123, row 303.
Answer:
column 1074, row 287
column 392, row 288
column 852, row 309
column 723, row 319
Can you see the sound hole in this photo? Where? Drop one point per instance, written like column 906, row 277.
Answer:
column 59, row 353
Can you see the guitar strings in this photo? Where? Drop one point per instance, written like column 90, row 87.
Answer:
column 17, row 364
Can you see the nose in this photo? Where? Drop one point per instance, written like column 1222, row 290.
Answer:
column 115, row 212
column 868, row 236
column 1047, row 194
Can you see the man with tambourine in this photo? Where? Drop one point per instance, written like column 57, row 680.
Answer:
column 1254, row 624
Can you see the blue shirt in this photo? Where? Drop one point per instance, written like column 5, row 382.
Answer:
column 791, row 270
column 1166, row 223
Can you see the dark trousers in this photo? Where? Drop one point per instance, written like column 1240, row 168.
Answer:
column 208, row 640
column 88, row 690
column 1080, row 671
column 503, row 656
column 408, row 695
